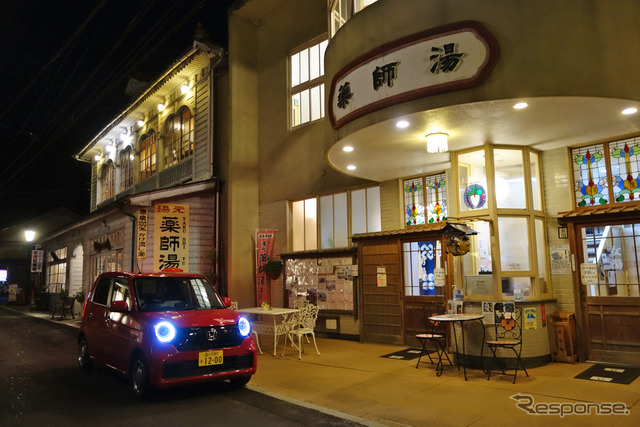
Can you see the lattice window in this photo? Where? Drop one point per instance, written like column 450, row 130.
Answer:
column 148, row 155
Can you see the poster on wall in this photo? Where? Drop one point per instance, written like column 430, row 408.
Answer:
column 559, row 256
column 325, row 282
column 530, row 315
column 264, row 249
column 171, row 237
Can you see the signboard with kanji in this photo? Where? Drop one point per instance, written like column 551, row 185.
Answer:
column 171, row 236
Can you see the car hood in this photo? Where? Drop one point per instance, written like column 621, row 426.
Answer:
column 194, row 318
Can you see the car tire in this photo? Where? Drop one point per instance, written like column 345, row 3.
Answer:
column 84, row 360
column 140, row 385
column 240, row 381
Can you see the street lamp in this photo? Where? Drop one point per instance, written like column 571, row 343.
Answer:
column 29, row 235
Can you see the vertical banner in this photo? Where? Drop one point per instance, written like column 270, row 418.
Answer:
column 171, row 237
column 427, row 267
column 264, row 248
column 142, row 234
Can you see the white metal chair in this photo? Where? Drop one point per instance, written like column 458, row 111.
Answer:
column 305, row 324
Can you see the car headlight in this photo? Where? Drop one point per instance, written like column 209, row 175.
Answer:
column 165, row 331
column 244, row 326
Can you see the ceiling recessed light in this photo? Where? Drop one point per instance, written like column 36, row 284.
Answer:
column 347, row 148
column 351, row 167
column 630, row 110
column 520, row 105
column 402, row 124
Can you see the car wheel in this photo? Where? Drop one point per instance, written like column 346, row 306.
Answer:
column 240, row 381
column 140, row 378
column 84, row 361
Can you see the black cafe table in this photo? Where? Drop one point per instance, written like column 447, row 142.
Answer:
column 461, row 319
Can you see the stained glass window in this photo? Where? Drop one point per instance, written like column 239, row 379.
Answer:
column 425, row 199
column 590, row 175
column 436, row 193
column 625, row 156
column 414, row 201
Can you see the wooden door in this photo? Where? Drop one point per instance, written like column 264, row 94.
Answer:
column 381, row 290
column 610, row 305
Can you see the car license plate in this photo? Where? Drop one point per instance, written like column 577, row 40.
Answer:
column 206, row 358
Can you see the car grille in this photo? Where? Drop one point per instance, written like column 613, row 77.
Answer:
column 191, row 368
column 207, row 338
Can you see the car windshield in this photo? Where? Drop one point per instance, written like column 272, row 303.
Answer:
column 175, row 293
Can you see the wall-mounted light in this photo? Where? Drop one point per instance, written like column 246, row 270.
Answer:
column 29, row 235
column 437, row 142
column 160, row 106
column 140, row 123
column 184, row 88
column 97, row 157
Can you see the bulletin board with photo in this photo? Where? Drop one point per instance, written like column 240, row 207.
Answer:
column 325, row 281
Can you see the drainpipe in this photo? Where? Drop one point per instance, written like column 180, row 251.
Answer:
column 134, row 219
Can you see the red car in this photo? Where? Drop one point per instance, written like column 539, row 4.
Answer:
column 164, row 329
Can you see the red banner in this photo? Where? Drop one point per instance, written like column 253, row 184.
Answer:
column 264, row 249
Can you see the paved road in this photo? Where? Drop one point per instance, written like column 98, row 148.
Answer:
column 40, row 384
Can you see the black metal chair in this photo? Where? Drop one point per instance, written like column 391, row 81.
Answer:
column 508, row 335
column 435, row 333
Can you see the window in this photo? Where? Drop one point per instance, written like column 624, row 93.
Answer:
column 107, row 254
column 107, row 180
column 328, row 221
column 178, row 142
column 147, row 155
column 594, row 186
column 425, row 199
column 614, row 249
column 126, row 168
column 57, row 274
column 306, row 83
column 499, row 189
column 342, row 10
column 420, row 262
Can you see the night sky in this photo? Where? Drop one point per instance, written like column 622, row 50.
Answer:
column 64, row 66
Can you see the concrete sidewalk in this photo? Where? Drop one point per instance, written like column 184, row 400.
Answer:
column 351, row 380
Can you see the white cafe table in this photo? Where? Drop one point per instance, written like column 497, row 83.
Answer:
column 276, row 329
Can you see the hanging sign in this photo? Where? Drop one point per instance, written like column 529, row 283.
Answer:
column 171, row 237
column 588, row 273
column 264, row 249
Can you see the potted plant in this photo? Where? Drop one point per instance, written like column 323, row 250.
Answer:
column 79, row 296
column 273, row 268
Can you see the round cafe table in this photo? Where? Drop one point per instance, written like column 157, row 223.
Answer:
column 461, row 319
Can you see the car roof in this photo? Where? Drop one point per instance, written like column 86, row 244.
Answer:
column 155, row 274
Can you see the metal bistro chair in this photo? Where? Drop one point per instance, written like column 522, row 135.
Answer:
column 508, row 335
column 305, row 324
column 436, row 334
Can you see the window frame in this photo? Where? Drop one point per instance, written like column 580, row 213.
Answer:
column 148, row 155
column 306, row 84
column 311, row 225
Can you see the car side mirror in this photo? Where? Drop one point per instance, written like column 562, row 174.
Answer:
column 119, row 306
column 226, row 301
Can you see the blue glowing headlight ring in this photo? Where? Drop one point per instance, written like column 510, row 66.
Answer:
column 244, row 327
column 165, row 331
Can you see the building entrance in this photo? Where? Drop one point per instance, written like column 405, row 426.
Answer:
column 607, row 273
